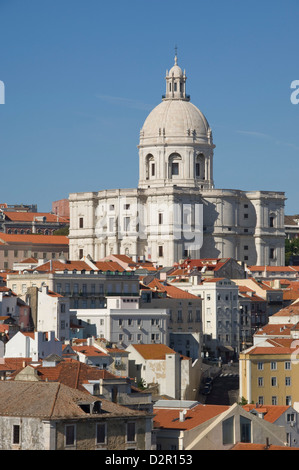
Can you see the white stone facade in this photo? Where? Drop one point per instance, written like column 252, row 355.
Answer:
column 176, row 211
column 124, row 323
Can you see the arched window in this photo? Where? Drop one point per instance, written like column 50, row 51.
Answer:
column 200, row 166
column 174, row 165
column 150, row 167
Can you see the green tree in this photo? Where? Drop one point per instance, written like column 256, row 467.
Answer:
column 291, row 248
column 62, row 231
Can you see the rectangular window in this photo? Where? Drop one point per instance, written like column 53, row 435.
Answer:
column 260, row 381
column 153, row 169
column 273, row 365
column 287, row 365
column 174, row 169
column 111, row 224
column 288, row 381
column 245, row 216
column 274, row 401
column 130, row 432
column 62, row 308
column 288, row 400
column 180, row 318
column 101, row 433
column 290, row 418
column 160, row 251
column 272, row 252
column 15, row 253
column 274, row 381
column 70, row 435
column 160, row 218
column 245, row 429
column 126, row 224
column 197, row 170
column 16, row 434
column 81, row 223
column 228, row 431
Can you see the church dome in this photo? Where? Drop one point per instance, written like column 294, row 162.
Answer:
column 176, row 118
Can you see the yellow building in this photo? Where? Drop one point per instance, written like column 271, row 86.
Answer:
column 269, row 373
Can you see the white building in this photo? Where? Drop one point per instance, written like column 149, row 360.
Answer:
column 124, row 323
column 53, row 313
column 220, row 314
column 36, row 345
column 175, row 375
column 176, row 211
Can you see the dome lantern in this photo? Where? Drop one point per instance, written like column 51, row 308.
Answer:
column 176, row 83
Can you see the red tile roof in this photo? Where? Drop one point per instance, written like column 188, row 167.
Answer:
column 272, row 329
column 56, row 265
column 169, row 418
column 30, row 216
column 8, row 238
column 287, row 311
column 153, row 351
column 171, row 291
column 271, row 412
column 253, row 446
column 90, row 351
column 271, row 268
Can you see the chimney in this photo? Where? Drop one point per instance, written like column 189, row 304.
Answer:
column 182, row 415
column 267, row 446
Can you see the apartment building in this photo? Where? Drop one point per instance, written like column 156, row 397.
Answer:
column 269, row 370
column 185, row 314
column 87, row 285
column 17, row 247
column 220, row 314
column 123, row 322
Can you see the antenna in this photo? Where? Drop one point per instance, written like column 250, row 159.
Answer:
column 176, row 54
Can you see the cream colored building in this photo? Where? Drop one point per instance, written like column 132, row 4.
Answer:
column 269, row 370
column 176, row 211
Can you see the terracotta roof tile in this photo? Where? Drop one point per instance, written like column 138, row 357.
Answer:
column 271, row 412
column 253, row 446
column 153, row 351
column 30, row 216
column 169, row 418
column 8, row 238
column 171, row 291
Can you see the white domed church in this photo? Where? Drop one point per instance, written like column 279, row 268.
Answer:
column 176, row 212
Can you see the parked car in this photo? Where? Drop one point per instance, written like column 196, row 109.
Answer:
column 206, row 390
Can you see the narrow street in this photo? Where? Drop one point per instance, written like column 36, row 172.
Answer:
column 225, row 388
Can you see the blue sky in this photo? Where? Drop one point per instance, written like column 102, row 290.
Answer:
column 81, row 77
